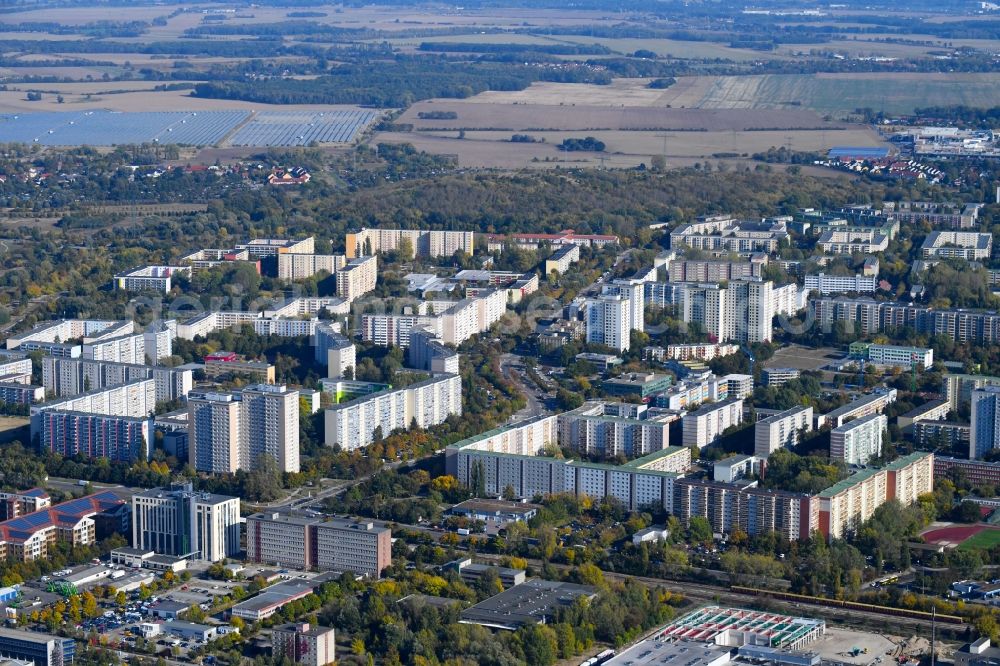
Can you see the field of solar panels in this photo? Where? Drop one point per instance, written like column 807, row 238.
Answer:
column 201, row 128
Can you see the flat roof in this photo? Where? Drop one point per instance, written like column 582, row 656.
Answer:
column 495, row 506
column 708, row 622
column 276, row 595
column 670, row 653
column 650, row 458
column 849, row 482
column 532, row 602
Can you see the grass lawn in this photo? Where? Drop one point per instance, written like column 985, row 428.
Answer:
column 983, row 540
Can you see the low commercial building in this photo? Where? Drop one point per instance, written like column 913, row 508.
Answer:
column 533, row 602
column 706, row 425
column 303, row 643
column 978, row 653
column 734, row 627
column 640, row 384
column 317, row 542
column 665, row 653
column 190, row 631
column 37, row 648
column 271, row 600
column 471, row 573
column 892, row 355
column 782, row 431
column 495, row 512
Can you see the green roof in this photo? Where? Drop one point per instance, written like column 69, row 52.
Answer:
column 461, row 444
column 909, row 459
column 849, row 482
column 654, row 456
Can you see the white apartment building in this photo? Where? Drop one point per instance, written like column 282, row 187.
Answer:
column 136, row 399
column 302, row 266
column 841, row 284
column 285, row 328
column 308, row 306
column 357, row 277
column 150, row 278
column 706, row 425
column 124, row 349
column 16, row 368
column 590, row 430
column 609, row 321
column 355, row 424
column 848, row 242
column 394, row 330
column 179, row 522
column 967, row 245
column 216, row 320
column 158, row 339
column 858, row 441
column 699, row 351
column 634, row 291
column 334, row 350
column 472, row 316
column 423, row 242
column 230, row 431
column 560, row 261
column 65, row 377
column 782, row 430
column 903, row 357
column 63, row 330
column 268, row 247
column 743, row 311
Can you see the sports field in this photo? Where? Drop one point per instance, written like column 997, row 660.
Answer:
column 983, row 540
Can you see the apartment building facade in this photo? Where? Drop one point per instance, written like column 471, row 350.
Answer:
column 782, row 431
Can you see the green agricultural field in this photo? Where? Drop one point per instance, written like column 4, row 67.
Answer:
column 896, row 93
column 981, row 541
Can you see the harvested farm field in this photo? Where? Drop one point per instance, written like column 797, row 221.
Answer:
column 524, row 117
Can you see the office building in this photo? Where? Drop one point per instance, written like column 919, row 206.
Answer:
column 357, row 423
column 985, row 432
column 303, row 643
column 609, row 321
column 318, row 543
column 230, row 431
column 858, row 441
column 560, row 260
column 302, row 266
column 116, row 438
column 841, row 284
column 335, row 351
column 706, row 425
column 35, row 648
column 642, row 384
column 782, row 431
column 66, row 377
column 421, row 242
column 150, row 278
column 181, row 522
column 966, row 245
column 29, row 537
column 357, row 277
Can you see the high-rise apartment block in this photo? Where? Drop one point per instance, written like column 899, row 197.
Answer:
column 422, row 242
column 609, row 321
column 357, row 423
column 181, row 522
column 782, row 430
column 706, row 424
column 334, row 350
column 64, row 377
column 742, row 311
column 985, row 434
column 318, row 542
column 858, row 441
column 230, row 431
column 357, row 277
column 302, row 266
column 303, row 643
column 596, row 429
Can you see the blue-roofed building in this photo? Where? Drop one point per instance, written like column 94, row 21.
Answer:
column 858, row 153
column 28, row 537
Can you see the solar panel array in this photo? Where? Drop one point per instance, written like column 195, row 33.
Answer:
column 109, row 128
column 300, row 128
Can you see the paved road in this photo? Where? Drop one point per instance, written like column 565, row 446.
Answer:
column 511, row 366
